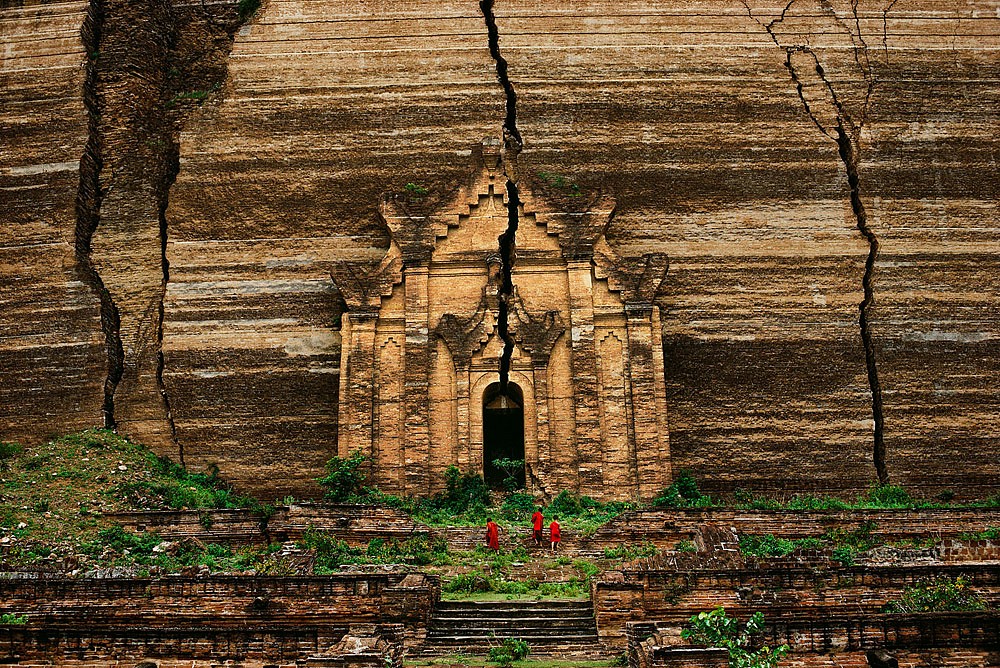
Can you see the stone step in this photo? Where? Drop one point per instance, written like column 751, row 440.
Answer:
column 514, row 606
column 583, row 647
column 560, row 628
column 475, row 639
column 518, row 614
column 538, row 617
column 545, row 622
column 532, row 635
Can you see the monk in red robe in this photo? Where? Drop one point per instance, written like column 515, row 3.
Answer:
column 536, row 526
column 554, row 534
column 492, row 535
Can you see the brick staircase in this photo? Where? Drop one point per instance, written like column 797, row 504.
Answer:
column 551, row 628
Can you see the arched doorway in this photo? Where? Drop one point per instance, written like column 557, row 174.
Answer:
column 503, row 434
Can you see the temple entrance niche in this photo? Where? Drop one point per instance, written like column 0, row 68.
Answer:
column 420, row 351
column 503, row 434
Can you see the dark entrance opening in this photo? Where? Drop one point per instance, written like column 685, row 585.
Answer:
column 503, row 435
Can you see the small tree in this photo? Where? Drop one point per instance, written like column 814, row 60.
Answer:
column 512, row 467
column 716, row 629
column 8, row 451
column 345, row 478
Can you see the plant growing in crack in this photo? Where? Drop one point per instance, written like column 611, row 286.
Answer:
column 415, row 191
column 246, row 9
column 196, row 96
column 511, row 467
column 568, row 188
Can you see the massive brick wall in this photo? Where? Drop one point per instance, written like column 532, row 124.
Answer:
column 328, row 106
column 690, row 113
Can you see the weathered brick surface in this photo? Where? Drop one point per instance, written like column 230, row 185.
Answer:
column 357, row 525
column 373, row 98
column 936, row 639
column 354, row 524
column 52, row 359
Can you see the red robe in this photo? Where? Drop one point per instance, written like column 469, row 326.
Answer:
column 536, row 520
column 493, row 535
column 554, row 532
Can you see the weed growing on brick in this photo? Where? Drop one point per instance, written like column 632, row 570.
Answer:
column 938, row 595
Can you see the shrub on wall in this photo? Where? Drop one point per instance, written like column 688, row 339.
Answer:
column 464, row 491
column 716, row 629
column 683, row 491
column 938, row 595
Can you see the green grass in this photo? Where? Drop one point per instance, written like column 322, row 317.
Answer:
column 770, row 546
column 115, row 547
column 876, row 497
column 580, row 515
column 488, row 576
column 332, row 553
column 631, row 551
column 846, row 544
column 990, row 533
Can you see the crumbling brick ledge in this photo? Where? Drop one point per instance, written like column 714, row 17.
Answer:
column 218, row 618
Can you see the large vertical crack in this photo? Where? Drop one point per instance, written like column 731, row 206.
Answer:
column 171, row 176
column 512, row 146
column 199, row 46
column 830, row 114
column 849, row 156
column 149, row 65
column 88, row 208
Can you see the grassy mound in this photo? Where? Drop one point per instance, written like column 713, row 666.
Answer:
column 54, row 496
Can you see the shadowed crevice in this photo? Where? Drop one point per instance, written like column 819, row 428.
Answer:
column 149, row 66
column 88, row 208
column 848, row 154
column 512, row 146
column 174, row 170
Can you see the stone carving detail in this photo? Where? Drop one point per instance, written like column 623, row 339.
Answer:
column 363, row 284
column 465, row 337
column 637, row 278
column 537, row 334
